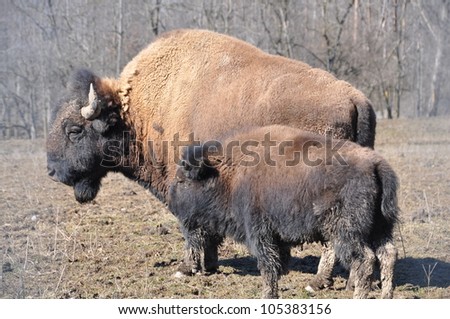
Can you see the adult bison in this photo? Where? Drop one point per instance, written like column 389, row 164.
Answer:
column 292, row 191
column 192, row 84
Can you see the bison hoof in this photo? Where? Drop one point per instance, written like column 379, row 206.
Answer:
column 310, row 289
column 187, row 270
column 179, row 274
column 318, row 284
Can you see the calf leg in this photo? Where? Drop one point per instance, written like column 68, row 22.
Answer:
column 323, row 277
column 363, row 268
column 351, row 281
column 211, row 258
column 387, row 255
column 270, row 281
column 269, row 264
column 285, row 257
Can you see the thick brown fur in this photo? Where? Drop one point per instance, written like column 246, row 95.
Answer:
column 207, row 83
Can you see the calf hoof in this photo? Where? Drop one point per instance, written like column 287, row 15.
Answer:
column 211, row 269
column 270, row 295
column 284, row 270
column 318, row 284
column 350, row 285
column 360, row 294
column 387, row 295
column 209, row 272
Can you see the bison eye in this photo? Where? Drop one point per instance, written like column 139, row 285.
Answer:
column 74, row 132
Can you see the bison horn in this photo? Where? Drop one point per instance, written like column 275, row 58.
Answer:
column 92, row 110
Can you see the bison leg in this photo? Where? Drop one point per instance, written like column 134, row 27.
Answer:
column 363, row 268
column 323, row 278
column 387, row 255
column 194, row 240
column 211, row 258
column 269, row 264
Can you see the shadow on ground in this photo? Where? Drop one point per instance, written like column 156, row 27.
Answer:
column 248, row 266
column 420, row 272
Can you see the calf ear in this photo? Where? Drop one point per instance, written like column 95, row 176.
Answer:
column 199, row 170
column 196, row 165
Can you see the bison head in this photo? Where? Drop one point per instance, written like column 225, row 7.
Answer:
column 84, row 127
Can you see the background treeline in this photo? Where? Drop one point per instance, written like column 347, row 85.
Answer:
column 396, row 51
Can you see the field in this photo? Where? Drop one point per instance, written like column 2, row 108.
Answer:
column 127, row 245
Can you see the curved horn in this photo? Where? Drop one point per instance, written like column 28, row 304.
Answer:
column 92, row 110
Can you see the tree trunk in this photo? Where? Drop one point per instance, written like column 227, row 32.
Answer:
column 355, row 22
column 386, row 97
column 45, row 121
column 32, row 114
column 435, row 83
column 398, row 29
column 119, row 38
column 419, row 81
column 155, row 18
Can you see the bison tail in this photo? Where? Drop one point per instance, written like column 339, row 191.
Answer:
column 365, row 124
column 389, row 184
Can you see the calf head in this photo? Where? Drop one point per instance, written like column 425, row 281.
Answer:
column 84, row 127
column 196, row 181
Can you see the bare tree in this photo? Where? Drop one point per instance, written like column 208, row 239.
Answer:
column 275, row 20
column 155, row 19
column 332, row 32
column 400, row 7
column 119, row 37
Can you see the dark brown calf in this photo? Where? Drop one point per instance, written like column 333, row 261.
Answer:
column 293, row 188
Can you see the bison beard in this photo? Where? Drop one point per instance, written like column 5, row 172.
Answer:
column 86, row 189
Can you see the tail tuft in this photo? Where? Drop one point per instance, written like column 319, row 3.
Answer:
column 365, row 124
column 389, row 185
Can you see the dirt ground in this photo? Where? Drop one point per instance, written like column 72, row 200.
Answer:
column 127, row 245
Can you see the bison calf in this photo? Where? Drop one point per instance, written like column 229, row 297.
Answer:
column 275, row 187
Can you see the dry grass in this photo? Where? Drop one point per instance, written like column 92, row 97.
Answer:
column 127, row 245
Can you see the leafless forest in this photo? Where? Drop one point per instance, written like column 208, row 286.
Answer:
column 396, row 51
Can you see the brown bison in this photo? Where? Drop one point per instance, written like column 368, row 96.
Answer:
column 299, row 188
column 191, row 84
